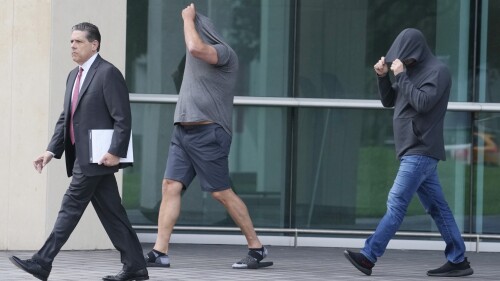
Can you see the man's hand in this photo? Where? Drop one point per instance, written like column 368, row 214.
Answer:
column 109, row 160
column 397, row 67
column 189, row 13
column 194, row 43
column 42, row 160
column 381, row 68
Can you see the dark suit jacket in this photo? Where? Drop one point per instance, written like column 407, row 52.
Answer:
column 103, row 103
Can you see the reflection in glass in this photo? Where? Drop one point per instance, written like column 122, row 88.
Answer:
column 259, row 162
column 344, row 167
column 340, row 41
column 151, row 127
column 345, row 171
column 486, row 157
column 489, row 67
column 258, row 31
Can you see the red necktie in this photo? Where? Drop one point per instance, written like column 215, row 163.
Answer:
column 74, row 100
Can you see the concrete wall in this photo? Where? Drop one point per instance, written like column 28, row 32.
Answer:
column 35, row 60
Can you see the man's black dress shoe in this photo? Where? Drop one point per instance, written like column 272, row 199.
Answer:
column 141, row 274
column 32, row 267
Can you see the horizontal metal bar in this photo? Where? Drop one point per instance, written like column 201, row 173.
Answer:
column 311, row 102
column 148, row 98
column 314, row 231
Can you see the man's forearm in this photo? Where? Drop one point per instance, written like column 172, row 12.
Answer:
column 191, row 36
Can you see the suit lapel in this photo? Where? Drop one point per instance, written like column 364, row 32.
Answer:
column 90, row 75
column 69, row 89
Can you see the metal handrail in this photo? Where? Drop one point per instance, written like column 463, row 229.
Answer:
column 297, row 231
column 312, row 102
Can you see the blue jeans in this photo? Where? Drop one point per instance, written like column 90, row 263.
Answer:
column 418, row 174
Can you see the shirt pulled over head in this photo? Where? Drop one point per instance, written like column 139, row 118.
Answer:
column 207, row 90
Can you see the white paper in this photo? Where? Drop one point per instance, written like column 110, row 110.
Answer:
column 100, row 140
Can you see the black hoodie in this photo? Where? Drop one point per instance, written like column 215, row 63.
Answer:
column 419, row 97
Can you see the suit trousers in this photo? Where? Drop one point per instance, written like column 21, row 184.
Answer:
column 102, row 191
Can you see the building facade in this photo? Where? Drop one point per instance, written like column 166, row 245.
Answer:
column 35, row 59
column 312, row 153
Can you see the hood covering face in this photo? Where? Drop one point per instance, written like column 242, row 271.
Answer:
column 410, row 44
column 207, row 30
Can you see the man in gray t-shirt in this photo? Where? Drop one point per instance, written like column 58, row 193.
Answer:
column 202, row 138
column 207, row 88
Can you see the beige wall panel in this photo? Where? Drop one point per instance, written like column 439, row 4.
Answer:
column 110, row 17
column 30, row 35
column 34, row 63
column 6, row 25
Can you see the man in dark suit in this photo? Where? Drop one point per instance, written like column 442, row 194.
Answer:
column 96, row 98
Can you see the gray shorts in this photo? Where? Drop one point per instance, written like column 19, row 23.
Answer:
column 199, row 150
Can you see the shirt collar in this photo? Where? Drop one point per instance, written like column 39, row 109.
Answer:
column 86, row 65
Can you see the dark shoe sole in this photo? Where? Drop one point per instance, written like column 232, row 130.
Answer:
column 359, row 267
column 154, row 264
column 257, row 265
column 263, row 264
column 16, row 262
column 453, row 273
column 130, row 279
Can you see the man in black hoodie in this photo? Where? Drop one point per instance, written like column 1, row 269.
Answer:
column 420, row 98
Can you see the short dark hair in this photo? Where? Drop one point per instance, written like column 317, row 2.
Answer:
column 92, row 32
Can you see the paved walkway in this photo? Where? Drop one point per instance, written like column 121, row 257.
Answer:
column 213, row 262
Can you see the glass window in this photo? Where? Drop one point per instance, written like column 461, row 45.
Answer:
column 346, row 164
column 486, row 160
column 318, row 167
column 152, row 129
column 489, row 65
column 259, row 163
column 454, row 173
column 331, row 189
column 257, row 166
column 486, row 133
column 258, row 31
column 340, row 41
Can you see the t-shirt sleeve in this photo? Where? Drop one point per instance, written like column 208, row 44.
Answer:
column 223, row 54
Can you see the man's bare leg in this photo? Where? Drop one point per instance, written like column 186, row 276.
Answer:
column 170, row 208
column 239, row 213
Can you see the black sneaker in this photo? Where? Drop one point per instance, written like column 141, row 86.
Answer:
column 153, row 259
column 359, row 261
column 452, row 270
column 253, row 260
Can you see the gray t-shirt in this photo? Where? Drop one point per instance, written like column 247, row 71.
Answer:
column 206, row 92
